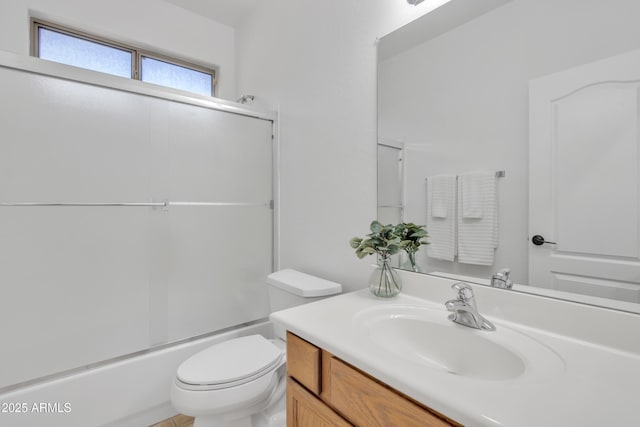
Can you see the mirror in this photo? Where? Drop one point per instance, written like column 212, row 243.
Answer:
column 491, row 86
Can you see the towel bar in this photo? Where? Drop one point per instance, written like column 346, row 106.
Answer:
column 499, row 174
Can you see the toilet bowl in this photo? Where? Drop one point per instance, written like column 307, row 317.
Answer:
column 241, row 382
column 226, row 384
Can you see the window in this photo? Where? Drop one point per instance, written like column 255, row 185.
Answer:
column 177, row 76
column 60, row 44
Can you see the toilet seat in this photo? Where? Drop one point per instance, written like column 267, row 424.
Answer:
column 230, row 364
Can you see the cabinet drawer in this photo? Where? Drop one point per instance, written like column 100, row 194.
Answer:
column 368, row 403
column 303, row 362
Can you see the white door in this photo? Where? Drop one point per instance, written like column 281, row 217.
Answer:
column 584, row 179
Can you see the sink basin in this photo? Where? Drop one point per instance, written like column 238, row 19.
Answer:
column 425, row 337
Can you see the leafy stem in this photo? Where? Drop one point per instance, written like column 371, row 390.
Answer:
column 387, row 240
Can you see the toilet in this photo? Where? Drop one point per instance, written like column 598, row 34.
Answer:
column 241, row 382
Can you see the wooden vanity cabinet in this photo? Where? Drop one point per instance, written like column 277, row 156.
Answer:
column 323, row 390
column 305, row 409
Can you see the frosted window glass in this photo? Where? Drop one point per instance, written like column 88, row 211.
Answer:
column 175, row 76
column 71, row 50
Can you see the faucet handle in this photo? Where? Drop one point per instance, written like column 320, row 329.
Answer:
column 463, row 290
column 504, row 272
column 501, row 279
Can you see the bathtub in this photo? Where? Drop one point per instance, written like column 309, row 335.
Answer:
column 130, row 392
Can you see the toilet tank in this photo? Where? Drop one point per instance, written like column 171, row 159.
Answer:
column 289, row 288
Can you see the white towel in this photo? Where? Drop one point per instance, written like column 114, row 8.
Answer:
column 472, row 194
column 441, row 217
column 478, row 229
column 439, row 192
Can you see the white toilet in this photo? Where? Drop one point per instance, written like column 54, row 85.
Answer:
column 241, row 382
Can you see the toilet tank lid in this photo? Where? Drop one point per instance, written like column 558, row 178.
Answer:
column 302, row 284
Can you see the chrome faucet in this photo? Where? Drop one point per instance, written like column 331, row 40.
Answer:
column 464, row 309
column 501, row 279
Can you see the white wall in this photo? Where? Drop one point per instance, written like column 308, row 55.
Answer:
column 315, row 61
column 465, row 94
column 151, row 24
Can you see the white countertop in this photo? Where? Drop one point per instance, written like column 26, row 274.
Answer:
column 597, row 385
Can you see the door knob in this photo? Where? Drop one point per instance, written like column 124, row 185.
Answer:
column 539, row 240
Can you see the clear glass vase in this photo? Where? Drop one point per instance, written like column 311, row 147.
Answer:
column 410, row 264
column 384, row 281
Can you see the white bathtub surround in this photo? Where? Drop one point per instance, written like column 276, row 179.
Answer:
column 109, row 220
column 579, row 365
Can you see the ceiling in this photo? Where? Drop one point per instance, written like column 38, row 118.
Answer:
column 447, row 16
column 228, row 12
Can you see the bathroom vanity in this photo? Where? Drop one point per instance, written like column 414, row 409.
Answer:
column 323, row 388
column 359, row 360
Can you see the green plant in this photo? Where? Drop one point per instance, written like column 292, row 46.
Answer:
column 411, row 236
column 382, row 240
column 387, row 240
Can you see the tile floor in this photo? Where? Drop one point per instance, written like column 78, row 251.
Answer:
column 177, row 421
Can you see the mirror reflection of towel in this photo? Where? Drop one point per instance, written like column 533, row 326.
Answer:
column 472, row 192
column 440, row 194
column 441, row 218
column 477, row 218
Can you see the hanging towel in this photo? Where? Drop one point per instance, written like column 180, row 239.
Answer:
column 441, row 217
column 439, row 189
column 472, row 195
column 477, row 217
